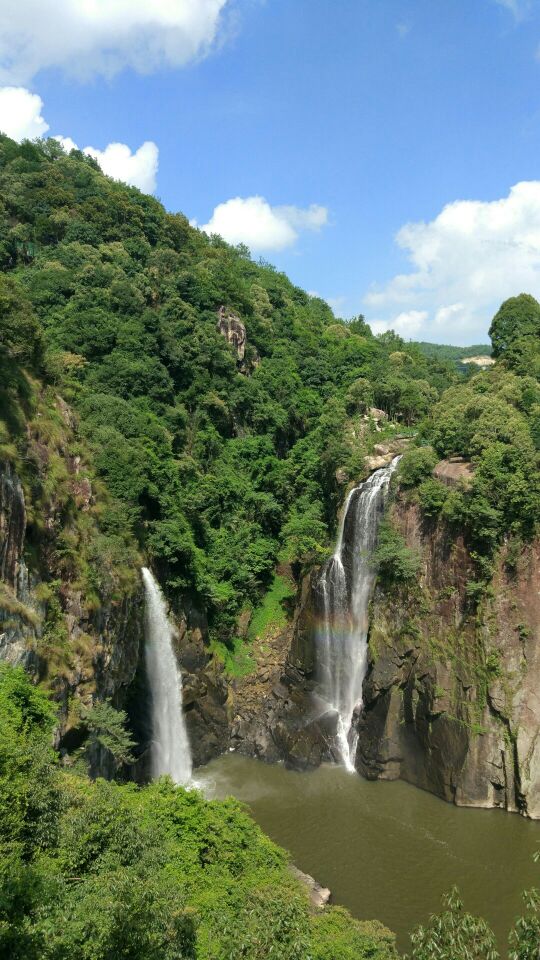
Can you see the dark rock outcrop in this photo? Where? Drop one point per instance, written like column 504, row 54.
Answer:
column 451, row 697
column 205, row 691
column 12, row 524
column 274, row 712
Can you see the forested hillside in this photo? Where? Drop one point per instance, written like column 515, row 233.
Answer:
column 216, row 457
column 441, row 351
column 493, row 423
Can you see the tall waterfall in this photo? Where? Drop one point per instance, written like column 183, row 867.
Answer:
column 170, row 745
column 344, row 589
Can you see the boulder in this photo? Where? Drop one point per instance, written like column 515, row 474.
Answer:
column 319, row 896
column 376, row 463
column 454, row 472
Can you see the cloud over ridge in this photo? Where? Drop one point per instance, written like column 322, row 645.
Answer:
column 253, row 221
column 20, row 114
column 138, row 168
column 465, row 261
column 21, row 119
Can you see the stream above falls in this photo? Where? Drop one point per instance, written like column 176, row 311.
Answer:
column 386, row 850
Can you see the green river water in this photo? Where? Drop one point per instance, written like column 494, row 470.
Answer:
column 386, row 850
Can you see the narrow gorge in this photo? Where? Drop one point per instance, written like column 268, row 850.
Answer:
column 257, row 551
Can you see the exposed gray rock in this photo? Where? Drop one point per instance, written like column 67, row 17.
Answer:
column 436, row 714
column 12, row 524
column 319, row 896
column 231, row 327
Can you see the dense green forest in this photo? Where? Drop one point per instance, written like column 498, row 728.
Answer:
column 214, row 466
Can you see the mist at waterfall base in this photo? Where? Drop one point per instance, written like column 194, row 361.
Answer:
column 343, row 592
column 170, row 751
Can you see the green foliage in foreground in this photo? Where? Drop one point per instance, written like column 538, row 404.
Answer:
column 101, row 871
column 525, row 937
column 454, row 934
column 457, row 935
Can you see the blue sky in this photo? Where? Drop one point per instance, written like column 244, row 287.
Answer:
column 351, row 118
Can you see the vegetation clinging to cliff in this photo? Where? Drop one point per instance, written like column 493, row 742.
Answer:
column 492, row 421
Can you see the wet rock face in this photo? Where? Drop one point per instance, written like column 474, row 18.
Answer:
column 231, row 327
column 12, row 525
column 451, row 698
column 452, row 706
column 204, row 688
column 104, row 643
column 272, row 712
column 275, row 714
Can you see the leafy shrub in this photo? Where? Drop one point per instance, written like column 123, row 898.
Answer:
column 454, row 934
column 338, row 937
column 525, row 937
column 416, row 464
column 396, row 562
column 432, row 496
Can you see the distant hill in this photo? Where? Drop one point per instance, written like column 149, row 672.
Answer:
column 441, row 351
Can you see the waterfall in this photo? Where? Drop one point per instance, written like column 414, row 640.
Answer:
column 344, row 587
column 170, row 745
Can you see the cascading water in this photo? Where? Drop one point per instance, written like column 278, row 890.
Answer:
column 345, row 587
column 170, row 745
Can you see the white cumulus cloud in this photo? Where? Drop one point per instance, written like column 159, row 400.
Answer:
column 20, row 114
column 472, row 256
column 20, row 119
column 138, row 168
column 407, row 324
column 89, row 37
column 251, row 220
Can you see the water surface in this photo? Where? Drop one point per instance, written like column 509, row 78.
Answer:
column 386, row 850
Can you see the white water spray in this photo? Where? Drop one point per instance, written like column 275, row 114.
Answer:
column 170, row 745
column 345, row 588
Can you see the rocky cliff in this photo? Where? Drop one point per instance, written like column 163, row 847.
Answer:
column 80, row 637
column 452, row 698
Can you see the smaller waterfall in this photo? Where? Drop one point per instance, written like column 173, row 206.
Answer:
column 170, row 745
column 344, row 588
